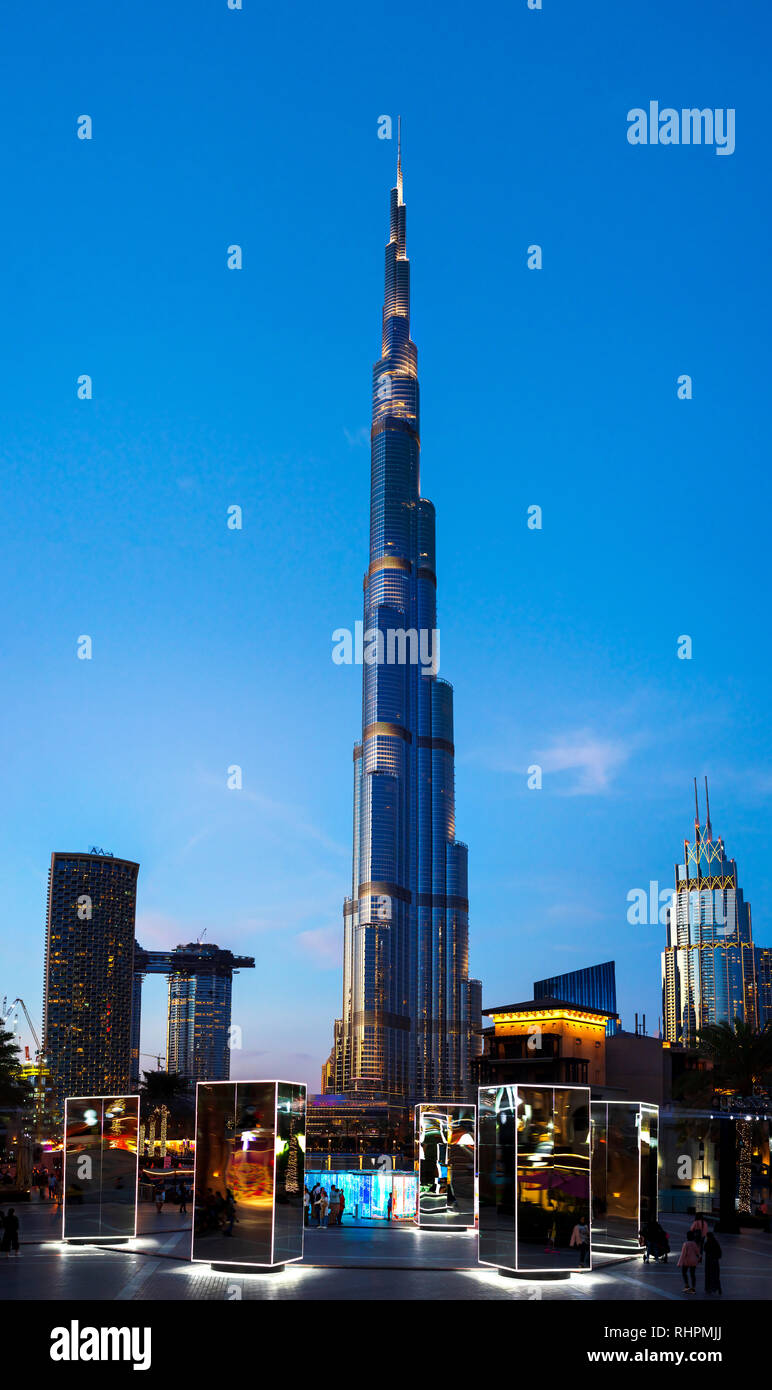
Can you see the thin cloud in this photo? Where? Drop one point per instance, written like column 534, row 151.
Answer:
column 593, row 760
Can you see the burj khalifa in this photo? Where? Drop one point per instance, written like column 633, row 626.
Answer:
column 404, row 1032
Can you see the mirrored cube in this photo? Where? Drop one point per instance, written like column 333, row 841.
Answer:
column 100, row 1168
column 445, row 1164
column 625, row 1152
column 534, row 1178
column 249, row 1173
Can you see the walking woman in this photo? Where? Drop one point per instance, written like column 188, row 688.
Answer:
column 712, row 1253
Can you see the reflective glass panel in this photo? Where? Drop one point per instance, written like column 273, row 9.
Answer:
column 100, row 1167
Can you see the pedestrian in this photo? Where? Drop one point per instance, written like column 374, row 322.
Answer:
column 183, row 1197
column 712, row 1254
column 10, row 1239
column 389, row 1207
column 341, row 1206
column 306, row 1207
column 316, row 1198
column 334, row 1206
column 698, row 1231
column 688, row 1261
column 160, row 1198
column 324, row 1207
column 580, row 1237
column 230, row 1211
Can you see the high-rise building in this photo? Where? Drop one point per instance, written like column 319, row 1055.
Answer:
column 89, row 972
column 405, row 1022
column 475, row 1019
column 763, row 959
column 198, row 1038
column 708, row 965
column 593, row 985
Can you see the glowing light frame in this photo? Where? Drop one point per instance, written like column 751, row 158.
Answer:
column 534, row 1086
column 94, row 1240
column 253, row 1264
column 617, row 1247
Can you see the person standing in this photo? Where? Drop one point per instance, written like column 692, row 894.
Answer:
column 341, row 1206
column 333, row 1207
column 10, row 1233
column 183, row 1199
column 698, row 1231
column 712, row 1254
column 389, row 1206
column 160, row 1198
column 324, row 1206
column 580, row 1236
column 316, row 1198
column 688, row 1261
column 306, row 1207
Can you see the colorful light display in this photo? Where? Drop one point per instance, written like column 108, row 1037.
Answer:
column 366, row 1193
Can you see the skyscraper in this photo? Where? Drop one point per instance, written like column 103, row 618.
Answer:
column 594, row 985
column 405, row 1021
column 708, row 965
column 89, row 971
column 198, row 1041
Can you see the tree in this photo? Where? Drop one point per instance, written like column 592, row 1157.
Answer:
column 15, row 1092
column 742, row 1058
column 172, row 1089
column 742, row 1065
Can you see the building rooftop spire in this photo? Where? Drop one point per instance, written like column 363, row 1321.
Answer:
column 707, row 812
column 400, row 199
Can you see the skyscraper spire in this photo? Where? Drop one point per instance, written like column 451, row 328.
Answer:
column 707, row 812
column 696, row 811
column 404, row 1032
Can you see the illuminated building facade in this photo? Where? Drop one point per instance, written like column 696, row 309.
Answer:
column 544, row 1040
column 200, row 997
column 708, row 965
column 594, row 985
column 405, row 1016
column 534, row 1177
column 89, row 972
column 763, row 959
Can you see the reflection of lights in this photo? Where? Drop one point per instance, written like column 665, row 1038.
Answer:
column 91, row 1118
column 701, row 1185
column 247, row 1136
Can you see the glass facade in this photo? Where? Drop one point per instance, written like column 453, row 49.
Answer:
column 89, row 969
column 625, row 1161
column 709, row 964
column 534, row 1177
column 594, row 986
column 405, row 1022
column 249, row 1173
column 445, row 1164
column 100, row 1167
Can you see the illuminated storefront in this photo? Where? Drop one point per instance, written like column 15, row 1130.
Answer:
column 100, row 1168
column 444, row 1159
column 625, row 1151
column 249, row 1173
column 366, row 1194
column 534, row 1178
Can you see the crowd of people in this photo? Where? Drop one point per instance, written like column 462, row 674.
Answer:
column 216, row 1212
column 179, row 1196
column 323, row 1208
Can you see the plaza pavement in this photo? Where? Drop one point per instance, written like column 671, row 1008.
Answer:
column 355, row 1262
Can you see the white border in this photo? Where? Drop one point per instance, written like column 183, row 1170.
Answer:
column 95, row 1240
column 548, row 1086
column 251, row 1264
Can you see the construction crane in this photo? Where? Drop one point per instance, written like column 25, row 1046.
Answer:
column 39, row 1058
column 156, row 1055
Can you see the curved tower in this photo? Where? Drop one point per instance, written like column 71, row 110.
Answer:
column 404, row 1034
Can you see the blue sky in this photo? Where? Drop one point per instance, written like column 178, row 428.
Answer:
column 215, row 387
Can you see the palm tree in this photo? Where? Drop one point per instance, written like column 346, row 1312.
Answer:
column 15, row 1092
column 172, row 1089
column 742, row 1065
